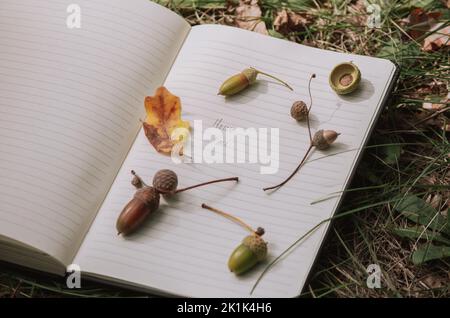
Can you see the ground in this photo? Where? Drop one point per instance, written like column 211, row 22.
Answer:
column 408, row 154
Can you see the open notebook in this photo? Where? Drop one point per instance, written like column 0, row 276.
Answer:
column 70, row 104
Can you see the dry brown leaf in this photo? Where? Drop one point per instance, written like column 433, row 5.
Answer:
column 420, row 22
column 358, row 16
column 288, row 21
column 438, row 39
column 248, row 16
column 163, row 117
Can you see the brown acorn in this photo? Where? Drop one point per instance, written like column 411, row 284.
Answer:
column 146, row 199
column 165, row 180
column 324, row 138
column 299, row 110
column 144, row 202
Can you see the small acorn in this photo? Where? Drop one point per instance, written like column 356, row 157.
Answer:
column 241, row 81
column 250, row 252
column 324, row 138
column 299, row 110
column 165, row 180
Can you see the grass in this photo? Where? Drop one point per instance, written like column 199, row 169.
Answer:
column 408, row 153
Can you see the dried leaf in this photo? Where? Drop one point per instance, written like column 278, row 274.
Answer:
column 288, row 21
column 420, row 22
column 438, row 39
column 248, row 16
column 163, row 117
column 357, row 13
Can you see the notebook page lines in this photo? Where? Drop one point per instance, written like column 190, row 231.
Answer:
column 70, row 103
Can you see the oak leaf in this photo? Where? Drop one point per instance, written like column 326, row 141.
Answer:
column 163, row 117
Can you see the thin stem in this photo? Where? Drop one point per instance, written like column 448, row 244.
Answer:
column 199, row 185
column 140, row 179
column 293, row 173
column 229, row 216
column 315, row 227
column 275, row 78
column 268, row 267
column 310, row 106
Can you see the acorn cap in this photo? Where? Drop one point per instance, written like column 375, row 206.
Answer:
column 251, row 74
column 344, row 78
column 299, row 110
column 324, row 138
column 165, row 180
column 149, row 196
column 257, row 245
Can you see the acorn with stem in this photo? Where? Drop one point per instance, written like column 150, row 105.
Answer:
column 241, row 81
column 321, row 140
column 146, row 199
column 251, row 251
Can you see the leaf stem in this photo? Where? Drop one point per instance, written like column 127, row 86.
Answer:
column 275, row 78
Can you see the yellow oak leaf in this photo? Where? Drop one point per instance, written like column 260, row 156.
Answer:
column 163, row 118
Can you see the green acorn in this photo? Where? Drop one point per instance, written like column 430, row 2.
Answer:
column 250, row 252
column 241, row 81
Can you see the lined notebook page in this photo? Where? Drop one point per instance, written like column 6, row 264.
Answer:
column 183, row 249
column 70, row 103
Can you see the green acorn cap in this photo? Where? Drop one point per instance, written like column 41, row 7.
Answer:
column 345, row 78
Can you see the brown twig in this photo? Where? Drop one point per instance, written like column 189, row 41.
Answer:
column 259, row 231
column 199, row 185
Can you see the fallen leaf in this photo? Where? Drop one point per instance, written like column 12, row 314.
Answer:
column 357, row 13
column 289, row 21
column 163, row 117
column 420, row 22
column 248, row 16
column 438, row 39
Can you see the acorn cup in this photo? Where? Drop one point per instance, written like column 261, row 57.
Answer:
column 241, row 81
column 250, row 252
column 146, row 199
column 345, row 78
